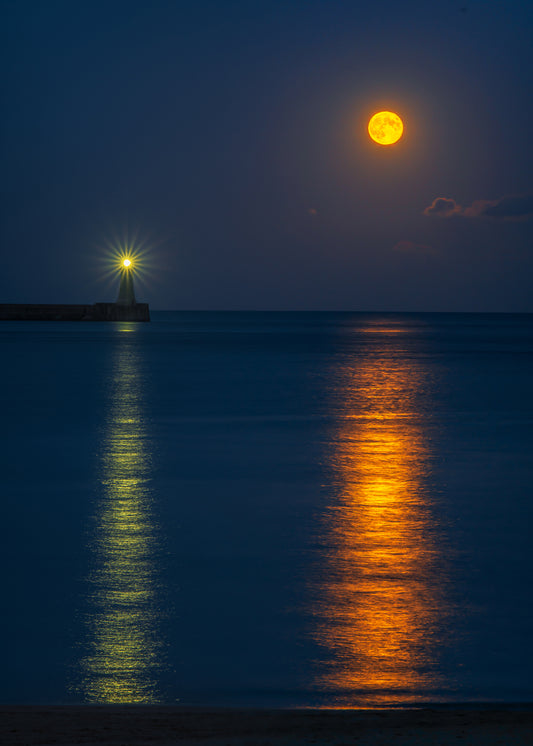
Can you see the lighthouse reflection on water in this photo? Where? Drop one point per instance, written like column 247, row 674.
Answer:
column 124, row 640
column 379, row 599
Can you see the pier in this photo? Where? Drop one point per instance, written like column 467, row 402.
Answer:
column 126, row 307
column 74, row 312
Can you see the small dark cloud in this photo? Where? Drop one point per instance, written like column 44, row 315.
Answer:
column 510, row 207
column 410, row 247
column 517, row 207
column 442, row 207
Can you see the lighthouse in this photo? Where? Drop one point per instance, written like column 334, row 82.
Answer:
column 126, row 294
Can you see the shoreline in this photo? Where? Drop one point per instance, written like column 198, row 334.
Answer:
column 144, row 725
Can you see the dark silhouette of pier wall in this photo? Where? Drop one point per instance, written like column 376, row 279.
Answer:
column 74, row 312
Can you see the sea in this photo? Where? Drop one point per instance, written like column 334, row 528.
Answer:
column 268, row 510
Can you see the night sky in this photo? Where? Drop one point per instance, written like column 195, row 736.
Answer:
column 228, row 139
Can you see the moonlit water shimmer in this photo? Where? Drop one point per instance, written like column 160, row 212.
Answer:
column 310, row 509
column 382, row 587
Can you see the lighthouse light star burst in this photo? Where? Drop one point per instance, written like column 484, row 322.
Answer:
column 129, row 254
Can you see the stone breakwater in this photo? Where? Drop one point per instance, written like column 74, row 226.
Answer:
column 74, row 312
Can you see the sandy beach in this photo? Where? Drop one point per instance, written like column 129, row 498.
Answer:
column 136, row 726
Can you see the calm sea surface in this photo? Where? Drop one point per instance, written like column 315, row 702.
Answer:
column 268, row 508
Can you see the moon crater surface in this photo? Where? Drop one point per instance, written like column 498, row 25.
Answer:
column 385, row 128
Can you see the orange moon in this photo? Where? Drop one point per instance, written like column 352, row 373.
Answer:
column 385, row 128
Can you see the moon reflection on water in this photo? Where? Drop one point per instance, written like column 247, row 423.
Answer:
column 380, row 590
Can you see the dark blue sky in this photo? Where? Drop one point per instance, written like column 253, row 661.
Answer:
column 231, row 139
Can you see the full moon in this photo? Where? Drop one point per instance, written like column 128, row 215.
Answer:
column 385, row 128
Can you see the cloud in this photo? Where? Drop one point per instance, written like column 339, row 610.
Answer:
column 443, row 207
column 519, row 207
column 410, row 247
column 510, row 207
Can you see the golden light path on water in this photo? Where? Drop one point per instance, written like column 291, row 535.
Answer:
column 124, row 640
column 380, row 599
